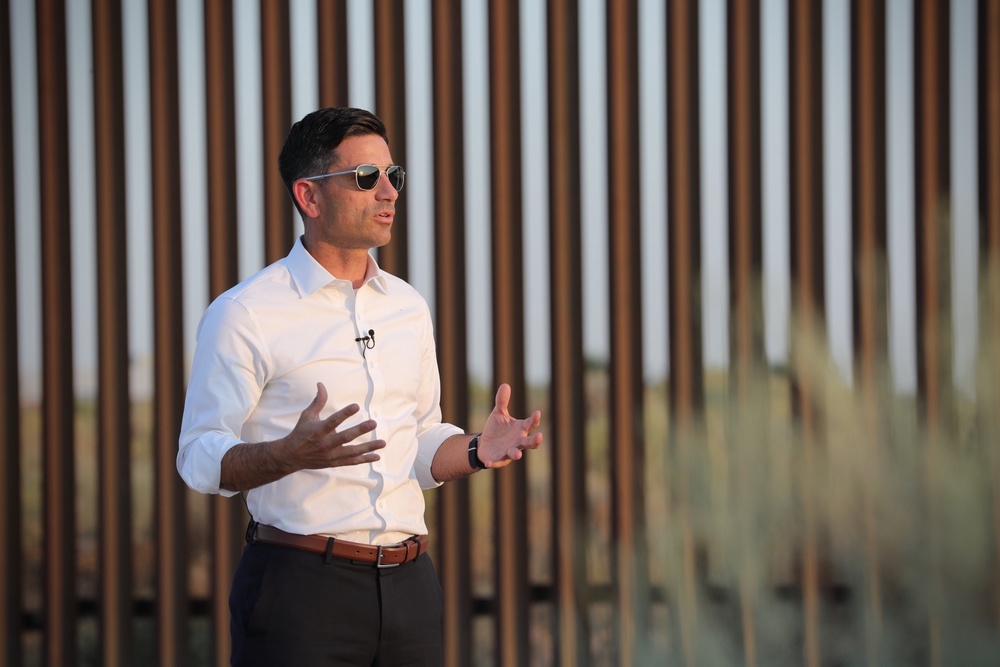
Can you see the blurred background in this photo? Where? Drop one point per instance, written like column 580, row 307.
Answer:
column 743, row 254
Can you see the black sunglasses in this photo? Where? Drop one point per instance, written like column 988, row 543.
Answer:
column 367, row 175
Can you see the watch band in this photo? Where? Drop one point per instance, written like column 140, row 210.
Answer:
column 474, row 461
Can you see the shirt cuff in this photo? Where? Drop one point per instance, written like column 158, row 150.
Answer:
column 200, row 466
column 428, row 443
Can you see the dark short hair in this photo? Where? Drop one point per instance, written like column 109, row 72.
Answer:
column 311, row 145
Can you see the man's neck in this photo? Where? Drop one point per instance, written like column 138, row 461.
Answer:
column 346, row 264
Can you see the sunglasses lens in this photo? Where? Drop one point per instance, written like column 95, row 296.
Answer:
column 396, row 176
column 368, row 175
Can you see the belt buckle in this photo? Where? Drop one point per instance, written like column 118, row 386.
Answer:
column 378, row 561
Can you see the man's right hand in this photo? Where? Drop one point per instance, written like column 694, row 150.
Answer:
column 313, row 444
column 316, row 443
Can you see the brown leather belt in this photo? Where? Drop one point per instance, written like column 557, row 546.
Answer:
column 372, row 554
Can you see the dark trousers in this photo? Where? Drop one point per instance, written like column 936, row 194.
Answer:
column 291, row 607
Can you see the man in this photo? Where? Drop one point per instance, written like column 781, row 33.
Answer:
column 315, row 391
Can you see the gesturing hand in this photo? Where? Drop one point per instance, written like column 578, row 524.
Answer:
column 313, row 443
column 316, row 443
column 505, row 438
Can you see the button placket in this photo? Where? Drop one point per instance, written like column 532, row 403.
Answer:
column 370, row 362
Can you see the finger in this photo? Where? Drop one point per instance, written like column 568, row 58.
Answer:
column 526, row 426
column 368, row 448
column 353, row 433
column 365, row 452
column 316, row 406
column 532, row 442
column 337, row 418
column 503, row 398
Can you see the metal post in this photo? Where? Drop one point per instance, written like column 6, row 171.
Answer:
column 59, row 523
column 114, row 402
column 390, row 105
column 170, row 526
column 630, row 558
column 567, row 434
column 228, row 515
column 276, row 68
column 452, row 541
column 508, row 324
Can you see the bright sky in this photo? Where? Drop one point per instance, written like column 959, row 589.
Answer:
column 653, row 97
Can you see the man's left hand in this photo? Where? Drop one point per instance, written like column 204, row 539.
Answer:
column 505, row 438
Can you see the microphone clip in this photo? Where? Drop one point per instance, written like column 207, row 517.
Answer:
column 367, row 341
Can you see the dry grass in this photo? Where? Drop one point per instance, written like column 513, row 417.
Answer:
column 861, row 538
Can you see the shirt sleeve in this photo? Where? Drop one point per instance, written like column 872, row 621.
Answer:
column 431, row 431
column 227, row 377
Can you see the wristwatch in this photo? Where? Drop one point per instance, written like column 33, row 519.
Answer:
column 474, row 460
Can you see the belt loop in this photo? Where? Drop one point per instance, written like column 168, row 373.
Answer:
column 251, row 530
column 328, row 556
column 412, row 555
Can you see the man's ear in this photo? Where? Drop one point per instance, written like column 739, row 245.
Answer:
column 305, row 196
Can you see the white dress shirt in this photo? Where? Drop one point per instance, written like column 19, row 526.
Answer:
column 261, row 348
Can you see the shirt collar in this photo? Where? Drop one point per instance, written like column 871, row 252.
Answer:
column 309, row 275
